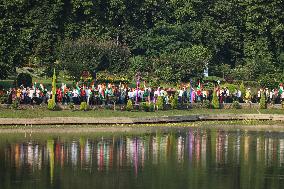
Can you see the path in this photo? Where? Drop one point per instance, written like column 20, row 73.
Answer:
column 142, row 120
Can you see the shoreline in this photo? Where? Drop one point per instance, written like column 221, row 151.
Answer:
column 141, row 128
column 138, row 120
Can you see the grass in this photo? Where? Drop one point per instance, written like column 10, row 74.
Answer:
column 39, row 113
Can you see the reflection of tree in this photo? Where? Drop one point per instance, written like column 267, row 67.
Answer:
column 50, row 147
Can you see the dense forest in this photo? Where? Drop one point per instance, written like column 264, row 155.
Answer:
column 170, row 40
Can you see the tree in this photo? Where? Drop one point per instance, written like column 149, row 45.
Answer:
column 215, row 100
column 90, row 54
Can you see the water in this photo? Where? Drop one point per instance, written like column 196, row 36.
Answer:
column 188, row 158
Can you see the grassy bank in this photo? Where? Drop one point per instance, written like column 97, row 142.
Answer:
column 39, row 113
column 71, row 131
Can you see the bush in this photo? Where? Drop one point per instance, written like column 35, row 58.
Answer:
column 3, row 99
column 151, row 107
column 231, row 87
column 51, row 104
column 174, row 102
column 206, row 104
column 262, row 103
column 72, row 106
column 243, row 89
column 236, row 105
column 24, row 79
column 144, row 106
column 84, row 106
column 15, row 104
column 215, row 101
column 129, row 105
column 160, row 103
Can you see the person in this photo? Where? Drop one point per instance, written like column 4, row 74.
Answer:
column 59, row 95
column 180, row 94
column 88, row 93
column 30, row 95
column 75, row 95
column 199, row 94
column 239, row 95
column 227, row 95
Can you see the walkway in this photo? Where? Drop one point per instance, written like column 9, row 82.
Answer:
column 142, row 120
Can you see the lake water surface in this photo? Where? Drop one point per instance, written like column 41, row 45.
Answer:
column 178, row 158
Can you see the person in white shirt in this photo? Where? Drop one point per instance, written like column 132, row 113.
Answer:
column 130, row 94
column 180, row 93
column 157, row 92
column 88, row 94
column 75, row 96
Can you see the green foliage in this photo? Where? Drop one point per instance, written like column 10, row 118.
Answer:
column 242, row 88
column 24, row 79
column 206, row 104
column 72, row 106
column 262, row 103
column 236, row 105
column 3, row 98
column 174, row 102
column 170, row 40
column 53, row 86
column 84, row 106
column 90, row 54
column 151, row 107
column 160, row 103
column 144, row 106
column 129, row 105
column 215, row 101
column 51, row 104
column 15, row 104
column 270, row 80
column 232, row 87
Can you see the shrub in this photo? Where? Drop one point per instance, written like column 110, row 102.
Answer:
column 72, row 106
column 129, row 105
column 215, row 101
column 174, row 102
column 144, row 106
column 15, row 104
column 84, row 106
column 243, row 89
column 3, row 99
column 262, row 103
column 206, row 104
column 24, row 79
column 160, row 103
column 151, row 107
column 236, row 105
column 231, row 87
column 51, row 104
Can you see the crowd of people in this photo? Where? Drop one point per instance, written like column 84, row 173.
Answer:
column 102, row 94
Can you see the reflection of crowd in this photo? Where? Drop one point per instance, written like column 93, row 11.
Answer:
column 102, row 94
column 124, row 151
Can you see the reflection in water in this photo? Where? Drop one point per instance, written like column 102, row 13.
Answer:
column 197, row 148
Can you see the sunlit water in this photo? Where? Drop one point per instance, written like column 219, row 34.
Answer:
column 188, row 158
